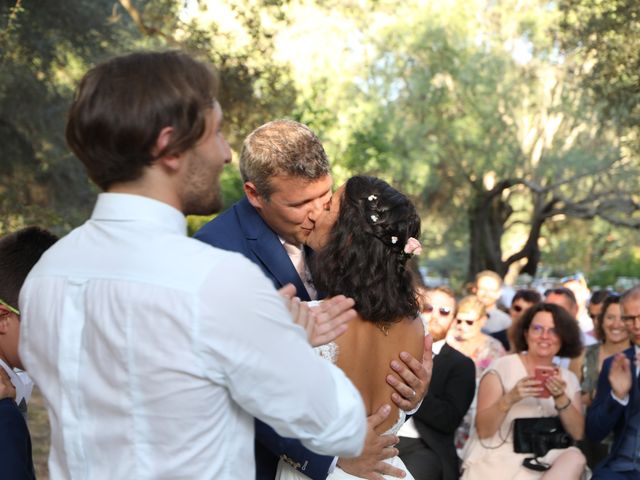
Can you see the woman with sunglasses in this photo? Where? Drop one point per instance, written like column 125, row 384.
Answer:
column 465, row 335
column 509, row 390
column 613, row 338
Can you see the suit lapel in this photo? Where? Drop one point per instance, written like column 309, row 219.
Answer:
column 268, row 250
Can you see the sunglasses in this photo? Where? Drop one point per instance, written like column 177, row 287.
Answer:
column 443, row 311
column 11, row 309
column 468, row 322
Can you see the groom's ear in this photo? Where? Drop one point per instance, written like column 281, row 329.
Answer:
column 255, row 199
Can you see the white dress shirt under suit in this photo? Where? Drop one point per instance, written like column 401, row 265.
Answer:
column 154, row 351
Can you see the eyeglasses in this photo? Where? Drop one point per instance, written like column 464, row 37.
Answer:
column 630, row 318
column 11, row 309
column 468, row 322
column 539, row 330
column 443, row 311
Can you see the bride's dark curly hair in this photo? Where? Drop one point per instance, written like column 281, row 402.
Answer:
column 364, row 257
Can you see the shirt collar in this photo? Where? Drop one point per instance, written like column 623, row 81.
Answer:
column 126, row 207
column 437, row 346
column 23, row 391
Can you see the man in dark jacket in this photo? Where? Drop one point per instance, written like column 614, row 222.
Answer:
column 427, row 440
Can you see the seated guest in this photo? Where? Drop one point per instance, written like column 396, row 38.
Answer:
column 616, row 406
column 426, row 440
column 19, row 252
column 509, row 390
column 488, row 287
column 578, row 285
column 614, row 338
column 565, row 298
column 595, row 304
column 521, row 301
column 466, row 336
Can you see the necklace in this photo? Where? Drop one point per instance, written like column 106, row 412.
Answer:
column 384, row 328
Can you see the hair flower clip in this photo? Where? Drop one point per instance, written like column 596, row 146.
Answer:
column 394, row 240
column 413, row 247
column 374, row 218
column 371, row 198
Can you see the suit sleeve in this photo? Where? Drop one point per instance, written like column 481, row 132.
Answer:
column 443, row 411
column 304, row 460
column 604, row 413
column 15, row 444
column 225, row 233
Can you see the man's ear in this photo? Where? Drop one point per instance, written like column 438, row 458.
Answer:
column 255, row 199
column 171, row 162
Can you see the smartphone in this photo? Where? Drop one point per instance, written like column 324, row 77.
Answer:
column 541, row 374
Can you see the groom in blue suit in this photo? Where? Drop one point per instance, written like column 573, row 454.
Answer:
column 617, row 404
column 287, row 183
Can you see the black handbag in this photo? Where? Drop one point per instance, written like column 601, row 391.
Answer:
column 538, row 435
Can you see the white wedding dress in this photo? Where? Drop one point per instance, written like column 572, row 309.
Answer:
column 287, row 472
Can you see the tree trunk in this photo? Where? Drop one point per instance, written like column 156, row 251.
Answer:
column 487, row 216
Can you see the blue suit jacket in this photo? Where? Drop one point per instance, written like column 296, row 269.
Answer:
column 16, row 461
column 241, row 229
column 605, row 414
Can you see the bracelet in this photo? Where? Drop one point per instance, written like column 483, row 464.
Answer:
column 564, row 407
column 555, row 397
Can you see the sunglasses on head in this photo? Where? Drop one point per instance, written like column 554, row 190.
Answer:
column 578, row 277
column 443, row 311
column 11, row 309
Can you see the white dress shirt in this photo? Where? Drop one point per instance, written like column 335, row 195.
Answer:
column 154, row 351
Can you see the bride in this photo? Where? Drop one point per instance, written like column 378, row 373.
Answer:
column 362, row 241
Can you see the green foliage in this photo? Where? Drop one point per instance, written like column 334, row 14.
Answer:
column 607, row 35
column 45, row 47
column 476, row 109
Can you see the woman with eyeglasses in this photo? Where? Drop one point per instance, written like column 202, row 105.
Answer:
column 465, row 335
column 613, row 338
column 509, row 390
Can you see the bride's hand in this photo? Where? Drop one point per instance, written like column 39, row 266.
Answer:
column 377, row 448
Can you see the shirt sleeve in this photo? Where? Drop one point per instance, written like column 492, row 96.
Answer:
column 251, row 345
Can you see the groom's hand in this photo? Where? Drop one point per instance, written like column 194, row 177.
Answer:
column 330, row 319
column 412, row 383
column 370, row 464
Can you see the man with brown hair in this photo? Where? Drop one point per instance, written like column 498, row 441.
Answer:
column 155, row 351
column 287, row 183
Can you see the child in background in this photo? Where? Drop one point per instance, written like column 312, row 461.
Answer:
column 19, row 252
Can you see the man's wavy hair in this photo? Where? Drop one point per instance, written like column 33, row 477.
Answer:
column 122, row 105
column 364, row 257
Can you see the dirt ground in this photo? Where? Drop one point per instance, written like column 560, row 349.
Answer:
column 39, row 428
